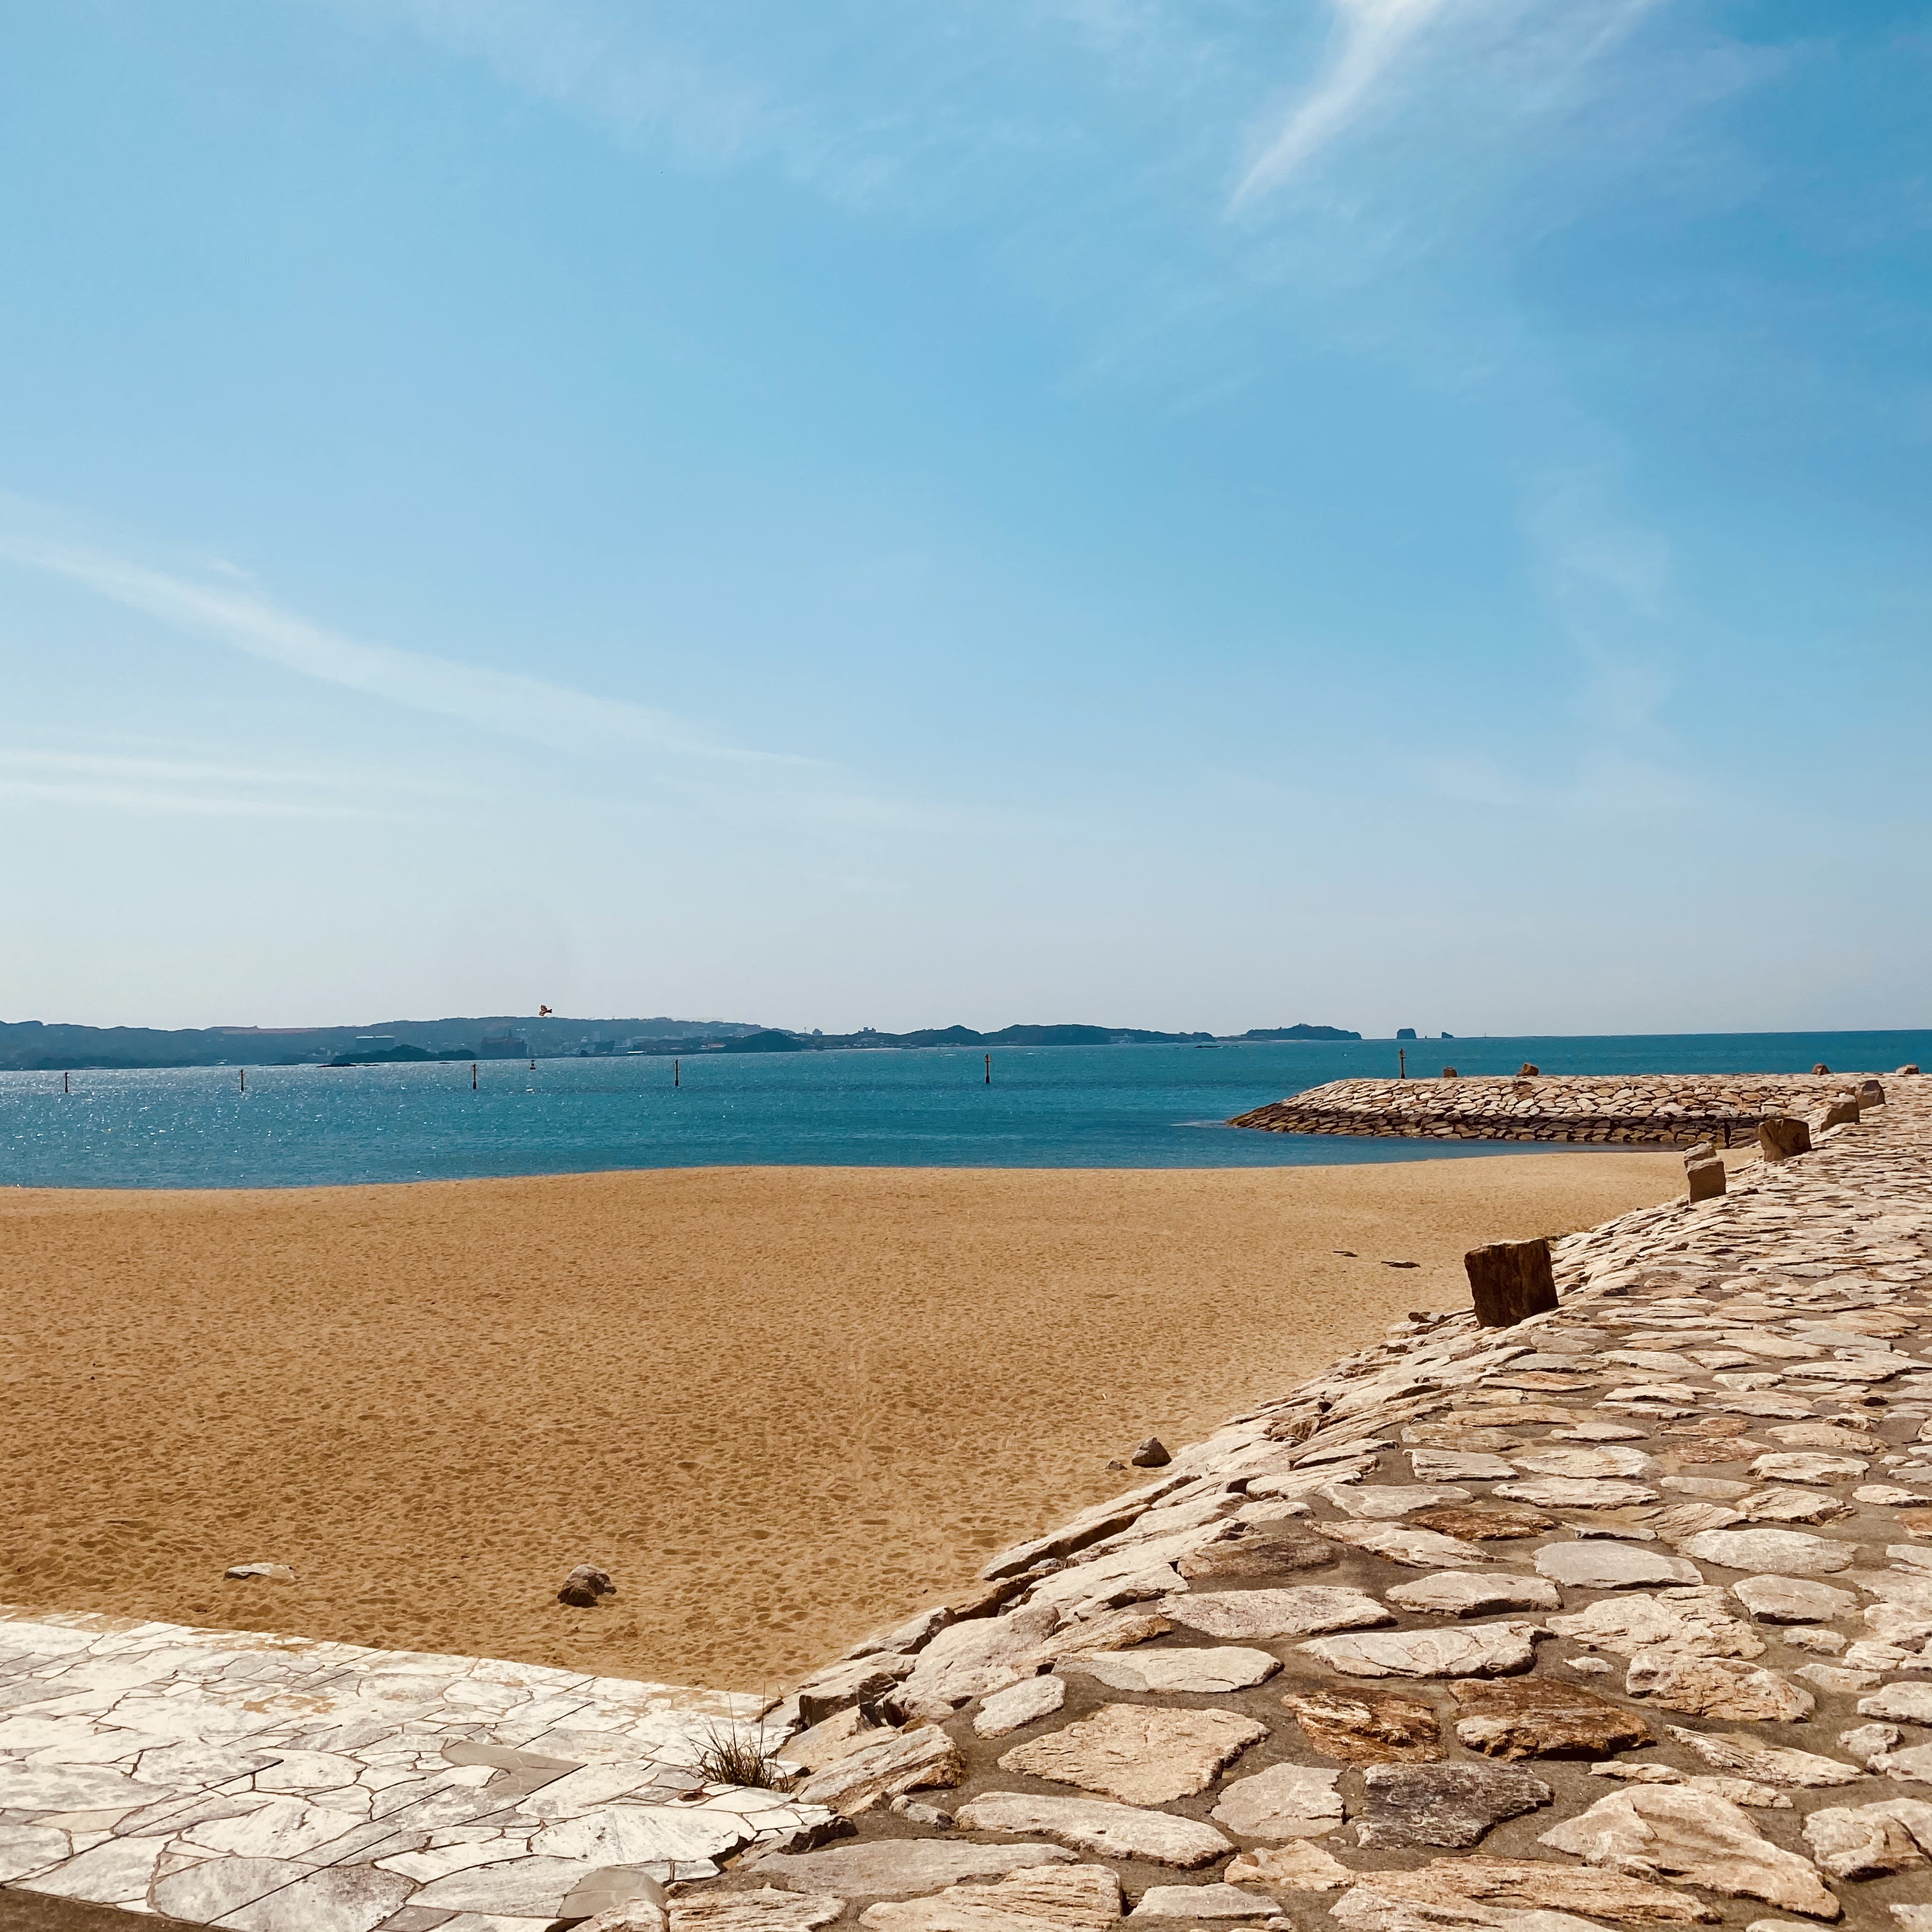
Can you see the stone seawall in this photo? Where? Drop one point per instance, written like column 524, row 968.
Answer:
column 1674, row 1110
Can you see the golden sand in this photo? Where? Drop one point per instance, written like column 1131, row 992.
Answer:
column 783, row 1406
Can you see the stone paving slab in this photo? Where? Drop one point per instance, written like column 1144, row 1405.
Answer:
column 274, row 1784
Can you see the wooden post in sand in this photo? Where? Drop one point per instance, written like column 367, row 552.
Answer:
column 989, row 1069
column 1509, row 1279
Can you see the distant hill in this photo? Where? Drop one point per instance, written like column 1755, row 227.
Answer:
column 1302, row 1032
column 33, row 1046
column 29, row 1045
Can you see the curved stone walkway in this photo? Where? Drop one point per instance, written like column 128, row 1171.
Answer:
column 1618, row 1617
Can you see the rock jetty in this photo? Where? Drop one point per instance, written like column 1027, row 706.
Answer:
column 1619, row 1615
column 1655, row 1111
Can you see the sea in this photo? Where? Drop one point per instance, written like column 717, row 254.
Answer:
column 1065, row 1106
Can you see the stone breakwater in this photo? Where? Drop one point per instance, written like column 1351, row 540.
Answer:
column 1655, row 1111
column 1618, row 1617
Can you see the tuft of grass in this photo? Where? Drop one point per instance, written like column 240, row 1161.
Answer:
column 741, row 1756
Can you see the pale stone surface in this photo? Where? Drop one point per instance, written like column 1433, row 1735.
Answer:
column 1449, row 1805
column 1865, row 1841
column 1365, row 1908
column 912, row 1760
column 1092, row 1824
column 1112, row 1630
column 1825, row 1436
column 1738, row 1751
column 1789, row 1506
column 1019, row 1705
column 1061, row 1898
column 1300, row 1865
column 1613, row 1566
column 26, row 1849
column 1478, row 1650
column 1863, row 1742
column 1744, row 1791
column 900, row 1867
column 1792, row 1600
column 1789, row 1552
column 1664, row 1830
column 1578, row 1492
column 1225, row 1667
column 1454, row 1593
column 1458, row 1465
column 1387, row 1501
column 345, row 1898
column 1693, row 1622
column 1286, row 1801
column 1911, row 1765
column 528, row 1888
column 1801, row 1465
column 1419, row 1549
column 764, row 1910
column 1606, row 1460
column 1545, row 1885
column 1212, row 1903
column 967, row 1660
column 636, row 1834
column 1900, row 1703
column 1261, row 1614
column 837, row 1736
column 1139, row 1753
column 1716, row 1687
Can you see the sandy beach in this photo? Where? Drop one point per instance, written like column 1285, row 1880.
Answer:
column 783, row 1406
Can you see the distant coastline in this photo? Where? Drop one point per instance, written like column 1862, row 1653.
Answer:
column 34, row 1046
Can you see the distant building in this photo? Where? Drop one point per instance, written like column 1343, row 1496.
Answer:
column 504, row 1045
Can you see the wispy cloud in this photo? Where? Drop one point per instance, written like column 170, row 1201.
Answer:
column 502, row 701
column 688, row 763
column 201, row 788
column 1370, row 34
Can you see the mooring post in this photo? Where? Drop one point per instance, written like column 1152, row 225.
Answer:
column 989, row 1069
column 1510, row 1279
column 245, row 1079
column 473, row 1076
column 1401, row 1063
column 64, row 1085
column 677, row 1073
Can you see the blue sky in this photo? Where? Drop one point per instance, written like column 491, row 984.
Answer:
column 1170, row 512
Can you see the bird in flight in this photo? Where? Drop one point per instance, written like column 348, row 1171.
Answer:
column 543, row 1012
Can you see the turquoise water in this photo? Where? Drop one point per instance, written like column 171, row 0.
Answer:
column 1107, row 1106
